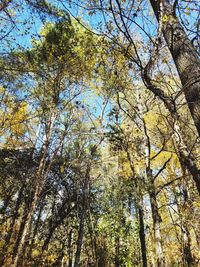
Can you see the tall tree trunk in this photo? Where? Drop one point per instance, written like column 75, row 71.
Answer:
column 80, row 238
column 142, row 237
column 40, row 179
column 189, row 260
column 9, row 235
column 150, row 181
column 82, row 217
column 93, row 238
column 184, row 55
column 69, row 248
column 34, row 233
column 21, row 228
column 160, row 260
column 102, row 260
column 27, row 223
column 188, row 257
column 117, row 251
column 139, row 206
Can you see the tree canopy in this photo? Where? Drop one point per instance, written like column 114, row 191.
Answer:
column 100, row 128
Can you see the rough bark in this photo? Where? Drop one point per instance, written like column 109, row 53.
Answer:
column 184, row 55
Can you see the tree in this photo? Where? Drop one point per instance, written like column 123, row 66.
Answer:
column 99, row 151
column 183, row 52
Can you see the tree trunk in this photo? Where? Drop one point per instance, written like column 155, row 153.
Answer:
column 160, row 261
column 188, row 258
column 27, row 223
column 102, row 260
column 117, row 252
column 184, row 155
column 184, row 56
column 142, row 237
column 82, row 217
column 93, row 239
column 80, row 239
column 34, row 233
column 70, row 249
column 40, row 179
column 139, row 207
column 10, row 233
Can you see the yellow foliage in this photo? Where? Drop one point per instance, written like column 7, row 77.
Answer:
column 165, row 18
column 35, row 253
column 13, row 116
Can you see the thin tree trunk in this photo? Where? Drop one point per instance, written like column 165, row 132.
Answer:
column 138, row 204
column 93, row 238
column 34, row 233
column 117, row 252
column 21, row 228
column 80, row 239
column 102, row 260
column 184, row 55
column 187, row 246
column 160, row 260
column 142, row 237
column 40, row 179
column 9, row 235
column 150, row 181
column 26, row 227
column 70, row 249
column 82, row 217
column 188, row 258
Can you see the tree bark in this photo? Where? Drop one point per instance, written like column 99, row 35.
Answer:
column 185, row 157
column 189, row 260
column 117, row 252
column 70, row 249
column 184, row 55
column 80, row 239
column 34, row 233
column 160, row 260
column 10, row 233
column 142, row 237
column 26, row 227
column 139, row 206
column 82, row 217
